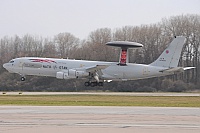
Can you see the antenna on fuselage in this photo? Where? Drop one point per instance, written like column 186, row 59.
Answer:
column 124, row 45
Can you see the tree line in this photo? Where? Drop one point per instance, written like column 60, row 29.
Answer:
column 154, row 37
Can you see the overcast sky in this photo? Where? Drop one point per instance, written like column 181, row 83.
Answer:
column 80, row 17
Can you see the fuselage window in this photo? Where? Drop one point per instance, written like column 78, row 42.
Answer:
column 12, row 61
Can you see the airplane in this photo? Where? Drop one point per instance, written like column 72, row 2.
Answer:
column 98, row 72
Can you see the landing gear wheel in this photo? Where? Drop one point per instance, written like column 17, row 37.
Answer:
column 100, row 84
column 87, row 84
column 23, row 78
column 93, row 84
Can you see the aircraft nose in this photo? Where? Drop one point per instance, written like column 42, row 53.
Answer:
column 8, row 67
column 5, row 65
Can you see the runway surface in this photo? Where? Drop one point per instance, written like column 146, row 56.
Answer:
column 92, row 119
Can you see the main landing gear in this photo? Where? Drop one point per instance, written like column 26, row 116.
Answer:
column 93, row 84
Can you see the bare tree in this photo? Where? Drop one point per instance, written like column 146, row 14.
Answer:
column 49, row 49
column 96, row 45
column 65, row 42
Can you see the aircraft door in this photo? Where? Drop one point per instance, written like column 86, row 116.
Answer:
column 145, row 71
column 20, row 65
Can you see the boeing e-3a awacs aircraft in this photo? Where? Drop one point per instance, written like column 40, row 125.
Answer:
column 98, row 72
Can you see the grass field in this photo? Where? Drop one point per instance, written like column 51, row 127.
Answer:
column 99, row 100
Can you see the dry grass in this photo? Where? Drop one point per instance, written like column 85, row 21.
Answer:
column 99, row 100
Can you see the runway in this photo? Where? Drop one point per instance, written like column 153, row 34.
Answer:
column 90, row 119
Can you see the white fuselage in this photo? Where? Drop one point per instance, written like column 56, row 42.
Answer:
column 50, row 66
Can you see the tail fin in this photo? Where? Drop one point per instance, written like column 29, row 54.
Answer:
column 171, row 55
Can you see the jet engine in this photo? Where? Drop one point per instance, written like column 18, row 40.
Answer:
column 71, row 74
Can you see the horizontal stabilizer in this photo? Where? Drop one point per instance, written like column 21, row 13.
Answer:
column 176, row 69
column 187, row 68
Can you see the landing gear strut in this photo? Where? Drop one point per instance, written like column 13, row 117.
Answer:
column 93, row 83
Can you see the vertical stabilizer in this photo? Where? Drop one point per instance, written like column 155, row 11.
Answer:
column 171, row 55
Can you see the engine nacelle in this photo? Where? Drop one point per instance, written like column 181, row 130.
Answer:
column 71, row 74
column 62, row 75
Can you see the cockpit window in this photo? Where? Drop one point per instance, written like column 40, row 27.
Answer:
column 12, row 61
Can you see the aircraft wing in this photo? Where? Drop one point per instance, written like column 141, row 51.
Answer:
column 96, row 68
column 176, row 69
